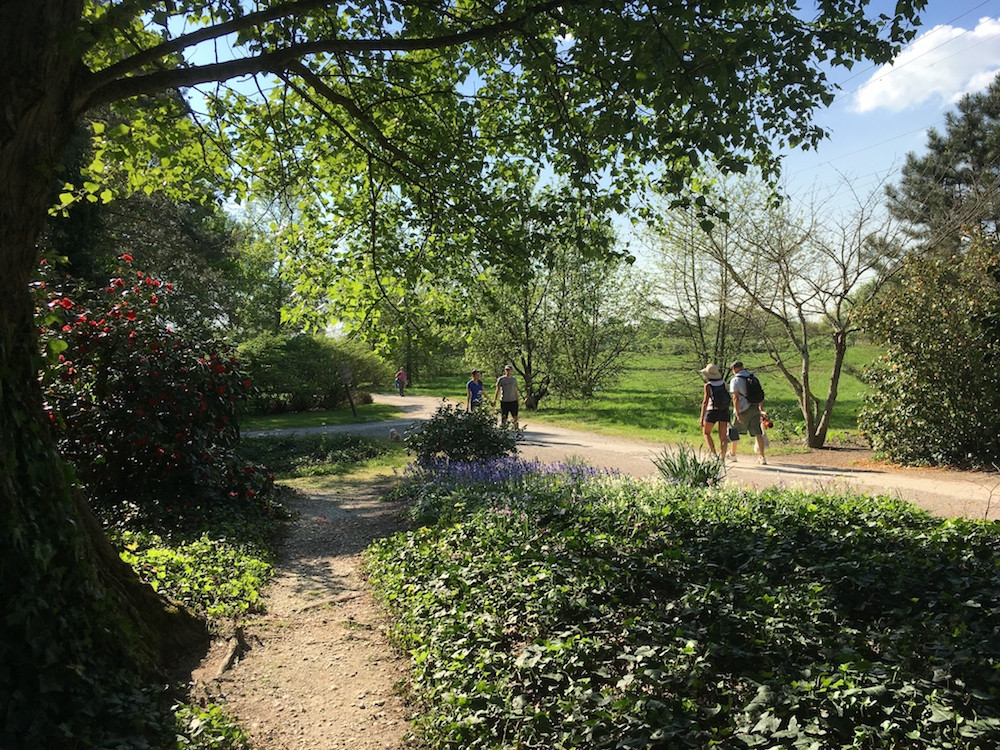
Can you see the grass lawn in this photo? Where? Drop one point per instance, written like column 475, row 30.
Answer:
column 659, row 399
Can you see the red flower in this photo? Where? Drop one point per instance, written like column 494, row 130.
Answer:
column 126, row 257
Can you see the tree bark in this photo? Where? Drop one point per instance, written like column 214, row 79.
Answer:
column 76, row 618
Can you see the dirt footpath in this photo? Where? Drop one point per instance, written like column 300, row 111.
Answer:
column 316, row 671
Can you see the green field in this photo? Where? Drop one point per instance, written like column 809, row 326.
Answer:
column 659, row 399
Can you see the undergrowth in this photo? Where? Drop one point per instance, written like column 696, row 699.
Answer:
column 290, row 456
column 593, row 611
column 217, row 559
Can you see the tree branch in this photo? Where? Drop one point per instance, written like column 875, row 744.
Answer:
column 111, row 84
column 334, row 97
column 207, row 34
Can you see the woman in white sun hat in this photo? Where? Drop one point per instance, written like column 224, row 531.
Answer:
column 715, row 409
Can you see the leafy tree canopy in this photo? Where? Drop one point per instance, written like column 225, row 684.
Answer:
column 424, row 105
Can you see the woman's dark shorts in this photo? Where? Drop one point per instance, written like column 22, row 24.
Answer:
column 717, row 415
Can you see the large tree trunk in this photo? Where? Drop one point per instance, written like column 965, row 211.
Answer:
column 76, row 620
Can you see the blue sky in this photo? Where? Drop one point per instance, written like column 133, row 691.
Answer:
column 883, row 112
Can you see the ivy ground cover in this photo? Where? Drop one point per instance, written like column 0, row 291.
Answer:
column 555, row 607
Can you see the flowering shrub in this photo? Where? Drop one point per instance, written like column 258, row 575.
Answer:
column 146, row 416
column 445, row 491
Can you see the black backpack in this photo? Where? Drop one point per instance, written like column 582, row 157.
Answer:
column 755, row 391
column 720, row 397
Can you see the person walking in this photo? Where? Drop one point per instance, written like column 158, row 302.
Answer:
column 747, row 412
column 715, row 409
column 474, row 391
column 507, row 391
column 400, row 380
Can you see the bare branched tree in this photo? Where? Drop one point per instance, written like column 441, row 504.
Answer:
column 787, row 282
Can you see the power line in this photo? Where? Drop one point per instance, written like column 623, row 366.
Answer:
column 872, row 67
column 965, row 32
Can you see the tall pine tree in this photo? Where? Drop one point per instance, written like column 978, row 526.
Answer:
column 953, row 188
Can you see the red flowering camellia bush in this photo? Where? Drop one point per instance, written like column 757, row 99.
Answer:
column 146, row 416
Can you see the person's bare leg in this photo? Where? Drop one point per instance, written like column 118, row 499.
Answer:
column 706, row 430
column 760, row 449
column 723, row 439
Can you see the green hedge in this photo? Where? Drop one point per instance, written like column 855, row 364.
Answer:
column 298, row 373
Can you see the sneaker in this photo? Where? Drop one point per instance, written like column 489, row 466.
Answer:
column 762, row 461
column 732, row 458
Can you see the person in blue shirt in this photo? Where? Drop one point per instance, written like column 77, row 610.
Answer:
column 474, row 391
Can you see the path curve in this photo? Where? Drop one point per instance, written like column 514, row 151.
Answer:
column 942, row 492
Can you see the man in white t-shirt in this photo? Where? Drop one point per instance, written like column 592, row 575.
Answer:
column 507, row 391
column 747, row 414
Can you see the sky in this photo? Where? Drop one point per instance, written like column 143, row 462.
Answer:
column 884, row 112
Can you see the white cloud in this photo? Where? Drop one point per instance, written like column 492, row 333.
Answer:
column 942, row 64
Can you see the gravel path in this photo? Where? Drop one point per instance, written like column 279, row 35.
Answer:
column 315, row 671
column 941, row 491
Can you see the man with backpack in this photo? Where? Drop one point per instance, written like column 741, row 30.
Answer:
column 748, row 395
